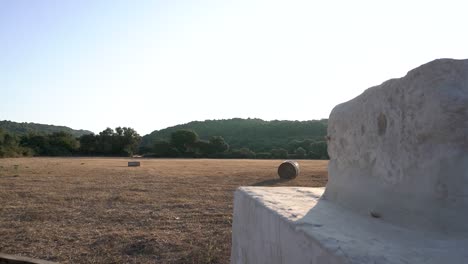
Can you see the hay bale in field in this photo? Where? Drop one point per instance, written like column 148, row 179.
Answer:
column 289, row 169
column 134, row 164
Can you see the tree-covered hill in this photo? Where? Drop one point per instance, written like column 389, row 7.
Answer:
column 227, row 138
column 256, row 134
column 20, row 129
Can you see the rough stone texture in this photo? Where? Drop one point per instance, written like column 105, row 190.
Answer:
column 398, row 182
column 400, row 150
column 292, row 225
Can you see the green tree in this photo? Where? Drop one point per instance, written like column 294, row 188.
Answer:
column 300, row 153
column 88, row 144
column 108, row 132
column 256, row 134
column 38, row 143
column 162, row 148
column 243, row 153
column 105, row 142
column 55, row 144
column 203, row 148
column 279, row 153
column 119, row 131
column 10, row 146
column 183, row 140
column 62, row 144
column 123, row 142
column 263, row 155
column 318, row 150
column 218, row 144
column 131, row 141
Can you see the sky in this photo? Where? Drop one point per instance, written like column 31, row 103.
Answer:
column 92, row 64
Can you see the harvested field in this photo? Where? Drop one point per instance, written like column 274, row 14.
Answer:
column 99, row 210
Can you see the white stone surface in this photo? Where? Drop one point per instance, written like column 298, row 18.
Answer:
column 398, row 182
column 400, row 150
column 292, row 225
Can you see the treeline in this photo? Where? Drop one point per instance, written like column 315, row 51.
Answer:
column 231, row 138
column 255, row 134
column 21, row 129
column 121, row 142
column 10, row 146
column 187, row 144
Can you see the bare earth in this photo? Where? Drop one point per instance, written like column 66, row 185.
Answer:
column 98, row 210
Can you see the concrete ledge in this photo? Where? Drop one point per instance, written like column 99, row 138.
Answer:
column 292, row 225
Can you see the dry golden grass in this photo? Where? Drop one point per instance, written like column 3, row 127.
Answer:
column 98, row 210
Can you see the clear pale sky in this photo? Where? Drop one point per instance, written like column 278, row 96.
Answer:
column 152, row 64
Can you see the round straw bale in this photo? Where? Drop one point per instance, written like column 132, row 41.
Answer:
column 289, row 169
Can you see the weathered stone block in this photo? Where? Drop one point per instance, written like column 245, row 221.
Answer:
column 292, row 225
column 400, row 149
column 398, row 182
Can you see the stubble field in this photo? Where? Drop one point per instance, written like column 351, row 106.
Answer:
column 98, row 210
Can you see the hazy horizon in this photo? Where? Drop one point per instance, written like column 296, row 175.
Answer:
column 96, row 64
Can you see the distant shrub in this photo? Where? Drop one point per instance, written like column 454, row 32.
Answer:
column 318, row 150
column 218, row 145
column 243, row 153
column 161, row 148
column 183, row 140
column 279, row 153
column 10, row 146
column 300, row 153
column 263, row 155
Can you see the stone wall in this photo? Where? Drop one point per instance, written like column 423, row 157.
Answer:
column 400, row 149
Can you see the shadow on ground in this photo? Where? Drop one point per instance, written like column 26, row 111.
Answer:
column 270, row 182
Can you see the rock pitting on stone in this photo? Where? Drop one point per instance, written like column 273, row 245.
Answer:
column 400, row 149
column 398, row 182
